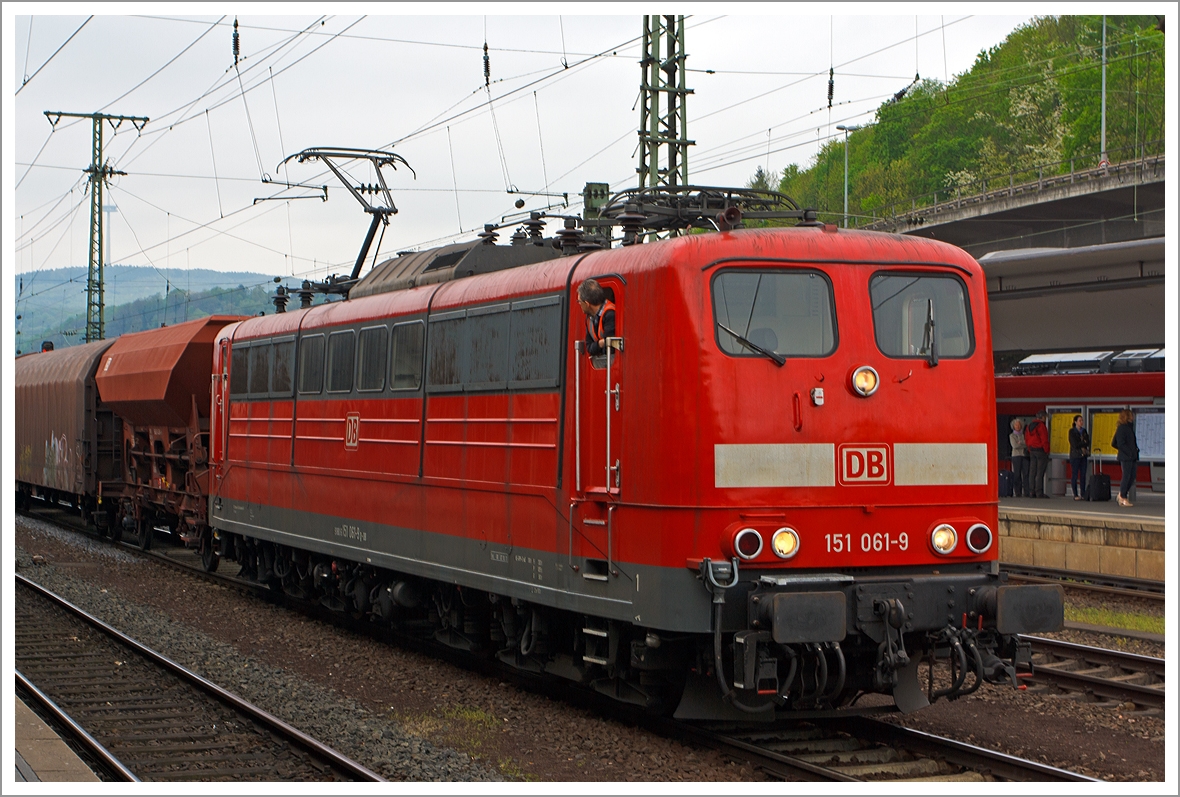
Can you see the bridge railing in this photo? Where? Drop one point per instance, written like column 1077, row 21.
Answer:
column 1144, row 159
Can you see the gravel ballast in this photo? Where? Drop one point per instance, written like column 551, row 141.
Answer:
column 411, row 717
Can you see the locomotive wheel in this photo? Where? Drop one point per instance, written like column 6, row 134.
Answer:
column 145, row 534
column 210, row 557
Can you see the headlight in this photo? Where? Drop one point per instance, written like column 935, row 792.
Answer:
column 747, row 544
column 785, row 543
column 979, row 538
column 944, row 538
column 864, row 381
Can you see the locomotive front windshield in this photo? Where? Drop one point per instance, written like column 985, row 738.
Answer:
column 764, row 313
column 921, row 315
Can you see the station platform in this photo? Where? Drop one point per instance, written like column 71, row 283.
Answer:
column 41, row 755
column 1099, row 537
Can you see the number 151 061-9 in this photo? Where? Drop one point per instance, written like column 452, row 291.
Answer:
column 879, row 542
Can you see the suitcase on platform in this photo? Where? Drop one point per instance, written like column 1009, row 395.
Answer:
column 1007, row 479
column 1099, row 487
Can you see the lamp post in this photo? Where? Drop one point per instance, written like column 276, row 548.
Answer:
column 847, row 129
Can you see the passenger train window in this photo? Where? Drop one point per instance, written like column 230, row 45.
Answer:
column 374, row 344
column 260, row 368
column 311, row 364
column 239, row 372
column 784, row 312
column 283, row 365
column 341, row 349
column 914, row 312
column 407, row 356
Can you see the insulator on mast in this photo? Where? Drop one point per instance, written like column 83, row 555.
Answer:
column 237, row 42
column 487, row 67
column 831, row 85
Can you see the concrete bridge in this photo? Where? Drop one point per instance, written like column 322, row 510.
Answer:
column 1120, row 202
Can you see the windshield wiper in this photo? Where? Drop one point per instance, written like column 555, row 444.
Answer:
column 929, row 334
column 778, row 359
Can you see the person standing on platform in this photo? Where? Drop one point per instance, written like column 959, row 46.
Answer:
column 1079, row 457
column 1036, row 437
column 1128, row 447
column 1019, row 460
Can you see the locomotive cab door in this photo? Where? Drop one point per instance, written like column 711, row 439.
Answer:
column 599, row 469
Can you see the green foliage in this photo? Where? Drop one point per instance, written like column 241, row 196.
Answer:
column 1031, row 103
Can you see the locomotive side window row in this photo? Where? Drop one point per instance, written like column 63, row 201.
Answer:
column 784, row 312
column 917, row 314
column 262, row 369
column 512, row 345
column 505, row 346
column 364, row 355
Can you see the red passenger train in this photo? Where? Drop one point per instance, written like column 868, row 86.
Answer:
column 777, row 492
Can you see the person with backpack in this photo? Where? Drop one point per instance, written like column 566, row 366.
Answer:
column 1036, row 438
column 1128, row 447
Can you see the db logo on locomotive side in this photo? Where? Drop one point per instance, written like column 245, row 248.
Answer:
column 352, row 431
column 861, row 464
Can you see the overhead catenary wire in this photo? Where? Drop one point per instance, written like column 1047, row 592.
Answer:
column 454, row 179
column 163, row 127
column 28, row 50
column 213, row 156
column 169, row 63
column 499, row 102
column 541, row 142
column 29, row 79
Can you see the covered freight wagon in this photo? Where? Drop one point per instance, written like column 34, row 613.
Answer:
column 158, row 382
column 68, row 442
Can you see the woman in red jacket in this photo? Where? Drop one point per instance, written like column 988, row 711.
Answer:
column 1036, row 437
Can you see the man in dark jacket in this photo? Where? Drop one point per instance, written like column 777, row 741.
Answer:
column 1079, row 457
column 1036, row 437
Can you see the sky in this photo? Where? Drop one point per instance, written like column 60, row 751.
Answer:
column 203, row 186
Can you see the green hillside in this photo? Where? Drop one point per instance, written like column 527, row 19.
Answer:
column 170, row 307
column 1030, row 104
column 47, row 298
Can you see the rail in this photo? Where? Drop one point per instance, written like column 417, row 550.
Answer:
column 858, row 748
column 1103, row 673
column 79, row 673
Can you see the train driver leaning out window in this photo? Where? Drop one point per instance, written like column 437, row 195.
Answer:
column 600, row 316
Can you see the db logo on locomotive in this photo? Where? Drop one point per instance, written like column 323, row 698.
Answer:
column 860, row 464
column 352, row 431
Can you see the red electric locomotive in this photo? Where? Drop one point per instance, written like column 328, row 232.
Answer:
column 775, row 491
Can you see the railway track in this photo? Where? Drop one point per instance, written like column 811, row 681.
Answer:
column 848, row 749
column 1125, row 587
column 859, row 749
column 145, row 717
column 1111, row 675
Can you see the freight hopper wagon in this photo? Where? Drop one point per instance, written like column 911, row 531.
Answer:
column 157, row 382
column 776, row 493
column 68, row 443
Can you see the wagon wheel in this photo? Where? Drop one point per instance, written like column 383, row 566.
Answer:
column 145, row 533
column 210, row 556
